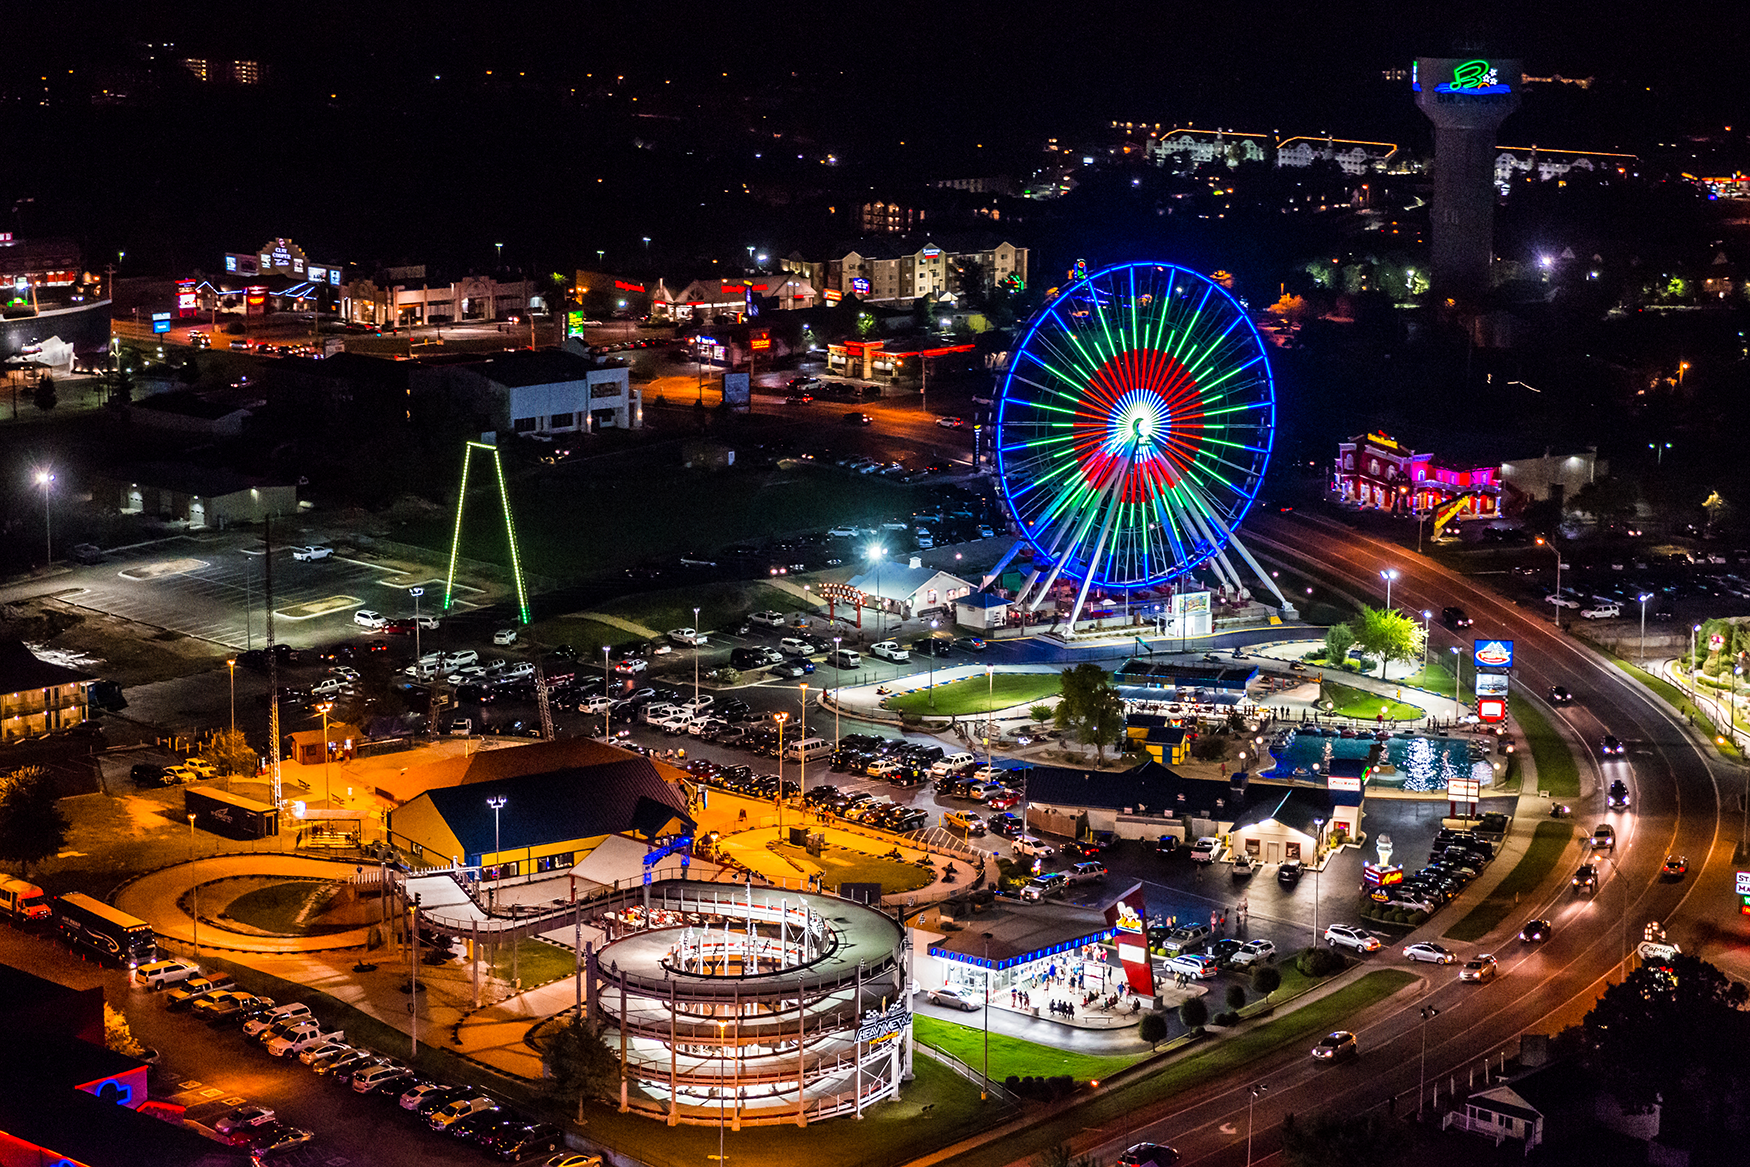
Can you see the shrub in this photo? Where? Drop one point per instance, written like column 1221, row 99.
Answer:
column 1012, row 1084
column 1152, row 1028
column 1418, row 917
column 1209, row 748
column 726, row 675
column 1226, row 1019
column 1236, row 996
column 1318, row 962
column 1266, row 980
column 1194, row 1014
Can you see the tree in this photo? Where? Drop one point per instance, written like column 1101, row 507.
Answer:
column 1152, row 1028
column 1039, row 713
column 32, row 827
column 1339, row 639
column 117, row 1035
column 580, row 1066
column 1266, row 980
column 118, row 386
column 1670, row 1029
column 1608, row 499
column 1389, row 635
column 1236, row 996
column 43, row 397
column 230, row 753
column 1342, row 1138
column 1194, row 1014
column 1090, row 707
column 190, row 371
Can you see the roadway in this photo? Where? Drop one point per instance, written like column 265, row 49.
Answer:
column 1676, row 808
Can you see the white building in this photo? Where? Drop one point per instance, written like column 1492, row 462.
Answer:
column 403, row 297
column 708, row 299
column 1529, row 161
column 910, row 590
column 542, row 393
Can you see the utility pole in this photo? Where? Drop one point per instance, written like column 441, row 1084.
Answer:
column 273, row 677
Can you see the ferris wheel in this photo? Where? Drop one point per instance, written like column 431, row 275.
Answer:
column 1133, row 429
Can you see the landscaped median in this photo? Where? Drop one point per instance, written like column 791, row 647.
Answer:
column 1348, row 701
column 1219, row 1056
column 1556, row 771
column 1547, row 845
column 977, row 694
column 1014, row 1055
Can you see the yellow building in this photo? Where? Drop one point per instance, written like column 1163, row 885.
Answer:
column 37, row 697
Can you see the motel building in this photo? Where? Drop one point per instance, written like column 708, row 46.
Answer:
column 1376, row 471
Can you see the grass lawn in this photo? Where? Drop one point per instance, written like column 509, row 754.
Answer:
column 839, row 865
column 1531, row 870
column 1348, row 701
column 1675, row 697
column 537, row 962
column 1218, row 1056
column 958, row 698
column 1435, row 678
column 1012, row 1055
column 280, row 908
column 1556, row 771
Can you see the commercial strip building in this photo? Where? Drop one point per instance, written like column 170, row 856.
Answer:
column 192, row 494
column 740, row 298
column 539, row 393
column 38, row 697
column 406, row 298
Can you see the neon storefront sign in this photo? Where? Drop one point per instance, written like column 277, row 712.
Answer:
column 1472, row 78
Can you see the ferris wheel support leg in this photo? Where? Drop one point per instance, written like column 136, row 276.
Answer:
column 1113, row 489
column 1008, row 557
column 1288, row 609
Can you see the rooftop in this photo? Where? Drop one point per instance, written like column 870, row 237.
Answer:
column 21, row 669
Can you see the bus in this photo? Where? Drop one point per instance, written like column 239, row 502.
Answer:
column 113, row 935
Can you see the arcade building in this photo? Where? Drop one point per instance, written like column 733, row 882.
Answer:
column 1379, row 472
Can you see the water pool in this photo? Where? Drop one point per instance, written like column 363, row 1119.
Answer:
column 1409, row 763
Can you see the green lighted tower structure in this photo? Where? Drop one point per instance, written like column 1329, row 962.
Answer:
column 516, row 561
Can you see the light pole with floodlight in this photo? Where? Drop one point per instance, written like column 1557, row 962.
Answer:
column 695, row 662
column 1643, row 598
column 1318, row 846
column 801, row 750
column 934, row 624
column 195, row 889
column 722, row 1068
column 496, row 802
column 1429, row 1013
column 874, row 554
column 1426, row 617
column 837, row 691
column 416, row 593
column 46, row 480
column 1555, row 600
column 1388, row 575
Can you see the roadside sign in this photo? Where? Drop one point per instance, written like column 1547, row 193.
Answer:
column 1491, row 709
column 160, row 322
column 1493, row 654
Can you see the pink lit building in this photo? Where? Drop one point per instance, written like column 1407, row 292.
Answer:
column 1377, row 471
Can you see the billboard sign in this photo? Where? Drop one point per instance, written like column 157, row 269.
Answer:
column 1743, row 883
column 1491, row 709
column 1126, row 916
column 160, row 322
column 1493, row 654
column 738, row 391
column 187, row 302
column 1492, row 685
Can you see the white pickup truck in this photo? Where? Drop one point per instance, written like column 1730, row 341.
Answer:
column 293, row 1012
column 300, row 1038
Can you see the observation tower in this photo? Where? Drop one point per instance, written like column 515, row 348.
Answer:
column 1467, row 99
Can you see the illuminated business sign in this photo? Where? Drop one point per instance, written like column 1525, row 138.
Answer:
column 1492, row 685
column 759, row 342
column 1126, row 916
column 623, row 286
column 878, row 1026
column 242, row 265
column 930, row 252
column 187, row 302
column 859, row 286
column 1491, row 709
column 832, row 295
column 1343, row 785
column 1376, row 876
column 160, row 322
column 255, row 300
column 1471, row 78
column 1493, row 654
column 1743, row 883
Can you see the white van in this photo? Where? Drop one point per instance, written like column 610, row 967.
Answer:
column 161, row 974
column 791, row 646
column 950, row 763
column 808, row 749
column 846, row 658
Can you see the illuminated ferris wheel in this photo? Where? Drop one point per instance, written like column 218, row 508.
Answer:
column 1133, row 429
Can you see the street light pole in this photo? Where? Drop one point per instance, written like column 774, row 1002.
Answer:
column 1457, row 680
column 327, row 789
column 722, row 1067
column 1253, row 1093
column 934, row 624
column 837, row 690
column 232, row 666
column 46, row 480
column 416, row 593
column 1429, row 1013
column 196, row 889
column 988, row 699
column 607, row 683
column 1388, row 575
column 695, row 662
column 1426, row 617
column 778, row 795
column 1318, row 847
column 1643, row 598
column 801, row 749
column 1556, row 599
column 1694, row 692
column 984, row 1082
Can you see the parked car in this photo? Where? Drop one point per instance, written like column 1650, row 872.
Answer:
column 1192, row 964
column 1190, row 938
column 1601, row 612
column 1289, row 873
column 161, row 974
column 889, row 650
column 1032, row 845
column 365, row 618
column 1203, row 850
column 1254, row 952
column 768, row 618
column 242, row 1118
column 312, row 552
column 504, row 637
column 687, row 636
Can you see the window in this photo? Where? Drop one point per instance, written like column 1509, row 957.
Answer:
column 524, row 425
column 555, row 862
column 1291, row 850
column 562, row 421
